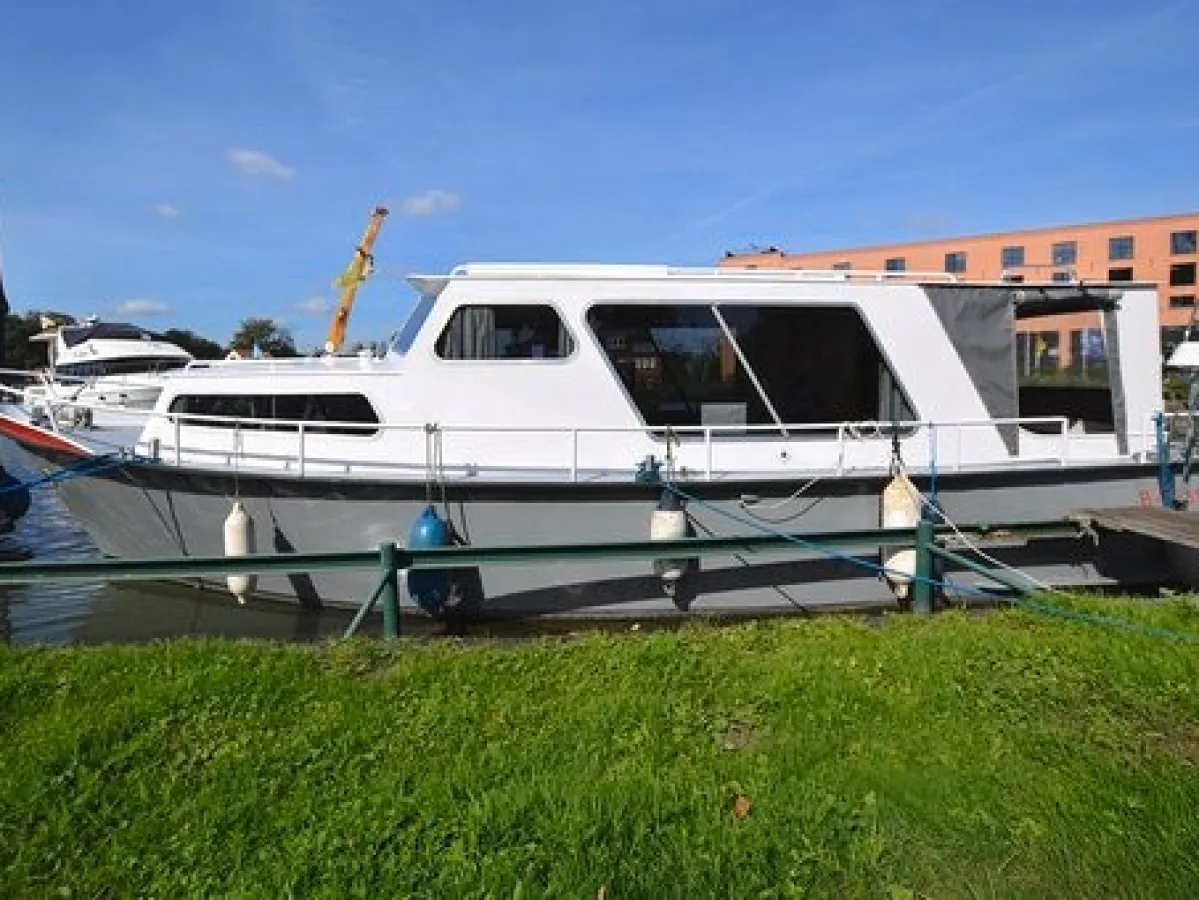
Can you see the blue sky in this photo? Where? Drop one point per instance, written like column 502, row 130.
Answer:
column 192, row 164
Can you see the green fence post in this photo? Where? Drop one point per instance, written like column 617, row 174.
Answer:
column 922, row 588
column 391, row 590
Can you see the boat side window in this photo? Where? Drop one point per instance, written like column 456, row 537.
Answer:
column 814, row 365
column 406, row 336
column 505, row 332
column 137, row 366
column 677, row 366
column 341, row 414
column 818, row 364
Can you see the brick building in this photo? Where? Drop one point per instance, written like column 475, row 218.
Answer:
column 1161, row 250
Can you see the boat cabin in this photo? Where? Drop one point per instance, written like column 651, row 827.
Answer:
column 580, row 372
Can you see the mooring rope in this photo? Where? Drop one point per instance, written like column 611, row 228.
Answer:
column 1031, row 605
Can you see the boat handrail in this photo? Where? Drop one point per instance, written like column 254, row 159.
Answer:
column 290, row 444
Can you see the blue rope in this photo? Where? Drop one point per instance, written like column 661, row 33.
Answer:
column 82, row 468
column 825, row 551
column 1107, row 621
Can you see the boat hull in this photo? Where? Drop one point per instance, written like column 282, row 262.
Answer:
column 152, row 510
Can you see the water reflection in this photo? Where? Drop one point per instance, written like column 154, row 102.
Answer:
column 95, row 612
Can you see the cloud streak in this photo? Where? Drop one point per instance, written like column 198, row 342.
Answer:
column 430, row 203
column 142, row 306
column 314, row 306
column 167, row 210
column 258, row 164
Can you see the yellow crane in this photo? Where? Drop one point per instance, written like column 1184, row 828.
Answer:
column 356, row 272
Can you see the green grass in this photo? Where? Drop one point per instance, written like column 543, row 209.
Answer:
column 955, row 756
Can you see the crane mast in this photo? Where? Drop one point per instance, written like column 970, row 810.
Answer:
column 356, row 272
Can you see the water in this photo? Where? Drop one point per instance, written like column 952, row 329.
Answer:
column 133, row 612
column 95, row 612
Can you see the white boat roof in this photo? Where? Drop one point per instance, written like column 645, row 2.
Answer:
column 433, row 285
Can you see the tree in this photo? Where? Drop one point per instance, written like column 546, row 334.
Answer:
column 272, row 339
column 18, row 329
column 198, row 346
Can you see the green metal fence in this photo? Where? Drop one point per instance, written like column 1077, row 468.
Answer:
column 390, row 559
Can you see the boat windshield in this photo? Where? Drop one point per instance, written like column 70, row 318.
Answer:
column 412, row 325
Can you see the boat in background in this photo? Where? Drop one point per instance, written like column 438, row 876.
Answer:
column 533, row 404
column 94, row 368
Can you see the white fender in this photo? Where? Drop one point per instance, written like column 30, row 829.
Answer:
column 901, row 509
column 668, row 525
column 239, row 541
column 901, row 567
column 901, row 505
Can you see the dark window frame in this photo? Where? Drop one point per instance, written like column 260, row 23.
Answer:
column 956, row 262
column 265, row 407
column 756, row 411
column 1121, row 247
column 1183, row 274
column 572, row 343
column 895, row 264
column 1121, row 273
column 1182, row 301
column 1064, row 253
column 1184, row 242
column 1011, row 257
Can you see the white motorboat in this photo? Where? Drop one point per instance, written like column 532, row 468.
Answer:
column 527, row 403
column 97, row 367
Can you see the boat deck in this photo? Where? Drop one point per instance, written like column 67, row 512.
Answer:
column 1167, row 525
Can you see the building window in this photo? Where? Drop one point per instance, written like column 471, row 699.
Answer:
column 1120, row 247
column 1182, row 274
column 955, row 262
column 1013, row 279
column 1182, row 301
column 1064, row 253
column 505, row 332
column 816, row 364
column 842, row 266
column 896, row 264
column 1011, row 257
column 1121, row 274
column 1061, row 277
column 1182, row 242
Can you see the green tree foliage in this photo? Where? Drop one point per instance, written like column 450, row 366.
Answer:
column 273, row 339
column 197, row 345
column 18, row 329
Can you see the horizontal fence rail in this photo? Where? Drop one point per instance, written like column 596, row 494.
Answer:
column 391, row 559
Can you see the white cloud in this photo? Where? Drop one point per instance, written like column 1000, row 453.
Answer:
column 258, row 164
column 167, row 210
column 430, row 202
column 142, row 306
column 314, row 306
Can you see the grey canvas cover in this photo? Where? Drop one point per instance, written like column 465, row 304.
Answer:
column 980, row 323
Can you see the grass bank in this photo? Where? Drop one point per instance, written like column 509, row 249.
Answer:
column 1012, row 754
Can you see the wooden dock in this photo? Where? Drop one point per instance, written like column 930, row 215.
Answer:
column 1170, row 526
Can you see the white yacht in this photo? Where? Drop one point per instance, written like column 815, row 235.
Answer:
column 96, row 365
column 533, row 404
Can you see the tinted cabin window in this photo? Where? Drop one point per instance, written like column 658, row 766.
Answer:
column 346, row 414
column 136, row 366
column 505, row 332
column 815, row 364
